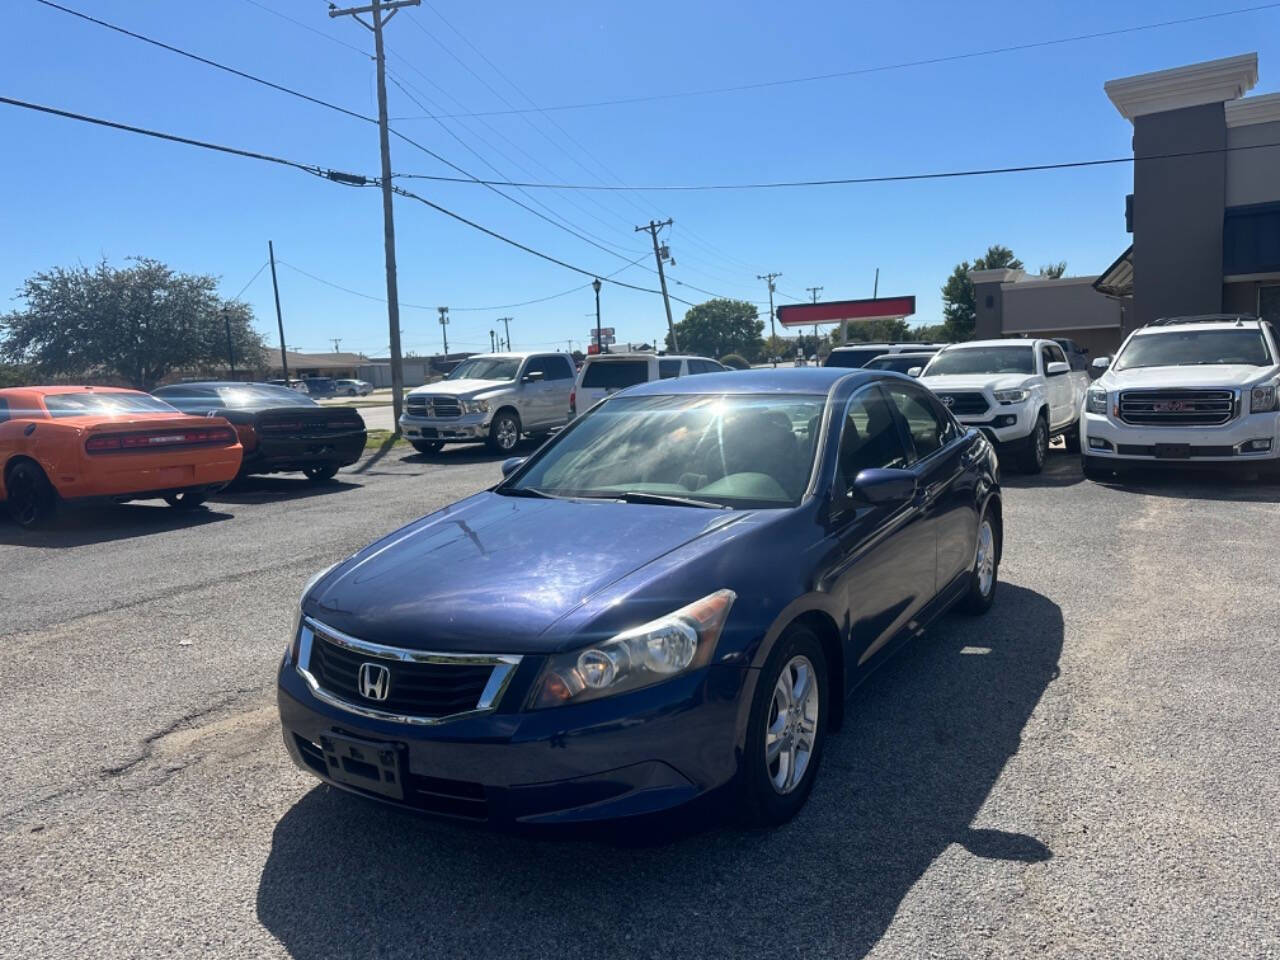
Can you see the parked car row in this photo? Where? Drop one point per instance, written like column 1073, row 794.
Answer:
column 182, row 443
column 497, row 398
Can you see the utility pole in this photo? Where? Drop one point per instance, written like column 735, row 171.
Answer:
column 875, row 291
column 284, row 360
column 376, row 9
column 444, row 329
column 336, row 341
column 663, row 253
column 231, row 356
column 493, row 347
column 814, row 291
column 506, row 325
column 773, row 333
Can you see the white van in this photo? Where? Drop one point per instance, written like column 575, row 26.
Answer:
column 606, row 373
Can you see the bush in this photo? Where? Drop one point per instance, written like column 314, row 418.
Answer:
column 736, row 361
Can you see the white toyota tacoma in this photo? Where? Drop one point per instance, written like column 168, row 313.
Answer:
column 1190, row 390
column 1021, row 393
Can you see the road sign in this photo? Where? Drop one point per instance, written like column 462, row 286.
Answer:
column 606, row 339
column 604, row 331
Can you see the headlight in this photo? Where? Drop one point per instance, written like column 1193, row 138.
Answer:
column 1262, row 398
column 1096, row 401
column 1011, row 396
column 475, row 406
column 291, row 651
column 681, row 641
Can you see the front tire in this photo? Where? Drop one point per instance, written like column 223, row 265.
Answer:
column 504, row 432
column 986, row 569
column 787, row 729
column 32, row 500
column 321, row 473
column 1035, row 449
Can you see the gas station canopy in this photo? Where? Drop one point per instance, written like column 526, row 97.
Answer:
column 846, row 311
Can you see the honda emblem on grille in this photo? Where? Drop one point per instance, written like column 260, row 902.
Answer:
column 375, row 681
column 948, row 400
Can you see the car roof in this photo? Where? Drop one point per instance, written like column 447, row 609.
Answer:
column 645, row 355
column 1211, row 322
column 50, row 391
column 218, row 383
column 999, row 342
column 904, row 355
column 781, row 380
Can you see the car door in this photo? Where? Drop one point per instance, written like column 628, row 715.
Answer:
column 887, row 554
column 559, row 383
column 1058, row 386
column 537, row 394
column 942, row 456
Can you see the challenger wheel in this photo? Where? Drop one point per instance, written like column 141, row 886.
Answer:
column 31, row 499
column 986, row 569
column 787, row 729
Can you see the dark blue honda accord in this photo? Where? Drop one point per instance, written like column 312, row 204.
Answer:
column 672, row 597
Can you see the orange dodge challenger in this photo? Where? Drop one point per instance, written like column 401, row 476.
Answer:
column 71, row 443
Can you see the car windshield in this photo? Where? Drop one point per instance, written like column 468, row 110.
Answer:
column 486, row 368
column 738, row 451
column 103, row 404
column 1183, row 348
column 983, row 360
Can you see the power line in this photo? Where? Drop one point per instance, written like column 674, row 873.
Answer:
column 255, row 276
column 306, row 26
column 880, row 68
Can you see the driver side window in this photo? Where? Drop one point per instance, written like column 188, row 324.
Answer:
column 870, row 437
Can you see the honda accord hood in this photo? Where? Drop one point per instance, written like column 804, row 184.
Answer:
column 491, row 573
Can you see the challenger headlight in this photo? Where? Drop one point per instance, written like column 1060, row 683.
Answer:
column 1011, row 396
column 681, row 641
column 475, row 406
column 295, row 638
column 1096, row 400
column 1262, row 398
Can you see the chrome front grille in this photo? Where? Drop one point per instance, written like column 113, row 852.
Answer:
column 1178, row 408
column 434, row 407
column 417, row 686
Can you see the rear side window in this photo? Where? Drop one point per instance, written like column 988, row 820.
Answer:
column 553, row 368
column 703, row 366
column 615, row 374
column 668, row 369
column 851, row 358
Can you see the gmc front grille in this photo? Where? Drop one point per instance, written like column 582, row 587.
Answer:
column 1178, row 408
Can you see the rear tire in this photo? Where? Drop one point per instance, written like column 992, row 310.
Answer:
column 185, row 500
column 1071, row 437
column 504, row 432
column 32, row 501
column 785, row 717
column 427, row 446
column 1035, row 449
column 985, row 574
column 321, row 473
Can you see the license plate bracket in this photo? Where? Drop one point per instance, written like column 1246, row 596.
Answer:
column 366, row 764
column 429, row 432
column 1173, row 451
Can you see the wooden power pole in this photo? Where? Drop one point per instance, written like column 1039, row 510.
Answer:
column 380, row 12
column 661, row 254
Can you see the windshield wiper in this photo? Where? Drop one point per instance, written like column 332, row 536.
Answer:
column 532, row 492
column 639, row 496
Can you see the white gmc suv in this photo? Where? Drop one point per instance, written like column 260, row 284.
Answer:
column 1018, row 392
column 1186, row 390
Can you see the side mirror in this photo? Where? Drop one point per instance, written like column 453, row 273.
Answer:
column 1057, row 369
column 915, row 371
column 511, row 465
column 1100, row 363
column 884, row 486
column 533, row 376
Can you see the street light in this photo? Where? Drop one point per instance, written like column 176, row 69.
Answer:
column 595, row 285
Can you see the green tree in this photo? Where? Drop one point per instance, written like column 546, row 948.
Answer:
column 884, row 330
column 721, row 326
column 134, row 324
column 958, row 307
column 1054, row 270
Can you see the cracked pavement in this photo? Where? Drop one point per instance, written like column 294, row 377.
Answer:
column 1090, row 770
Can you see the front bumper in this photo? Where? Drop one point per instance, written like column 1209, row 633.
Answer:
column 1004, row 424
column 638, row 753
column 1247, row 438
column 279, row 454
column 469, row 426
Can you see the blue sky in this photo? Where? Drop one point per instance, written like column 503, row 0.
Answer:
column 76, row 193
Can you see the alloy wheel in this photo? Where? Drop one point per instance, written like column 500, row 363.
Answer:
column 793, row 725
column 1042, row 443
column 508, row 435
column 986, row 565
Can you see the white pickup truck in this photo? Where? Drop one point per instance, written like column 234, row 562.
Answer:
column 1021, row 393
column 1189, row 390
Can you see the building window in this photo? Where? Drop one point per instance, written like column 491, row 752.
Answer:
column 991, row 301
column 1269, row 303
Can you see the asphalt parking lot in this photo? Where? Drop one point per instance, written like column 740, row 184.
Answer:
column 1089, row 770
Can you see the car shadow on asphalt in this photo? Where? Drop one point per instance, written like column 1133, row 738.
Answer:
column 80, row 526
column 1192, row 484
column 460, row 453
column 926, row 739
column 273, row 489
column 1061, row 469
